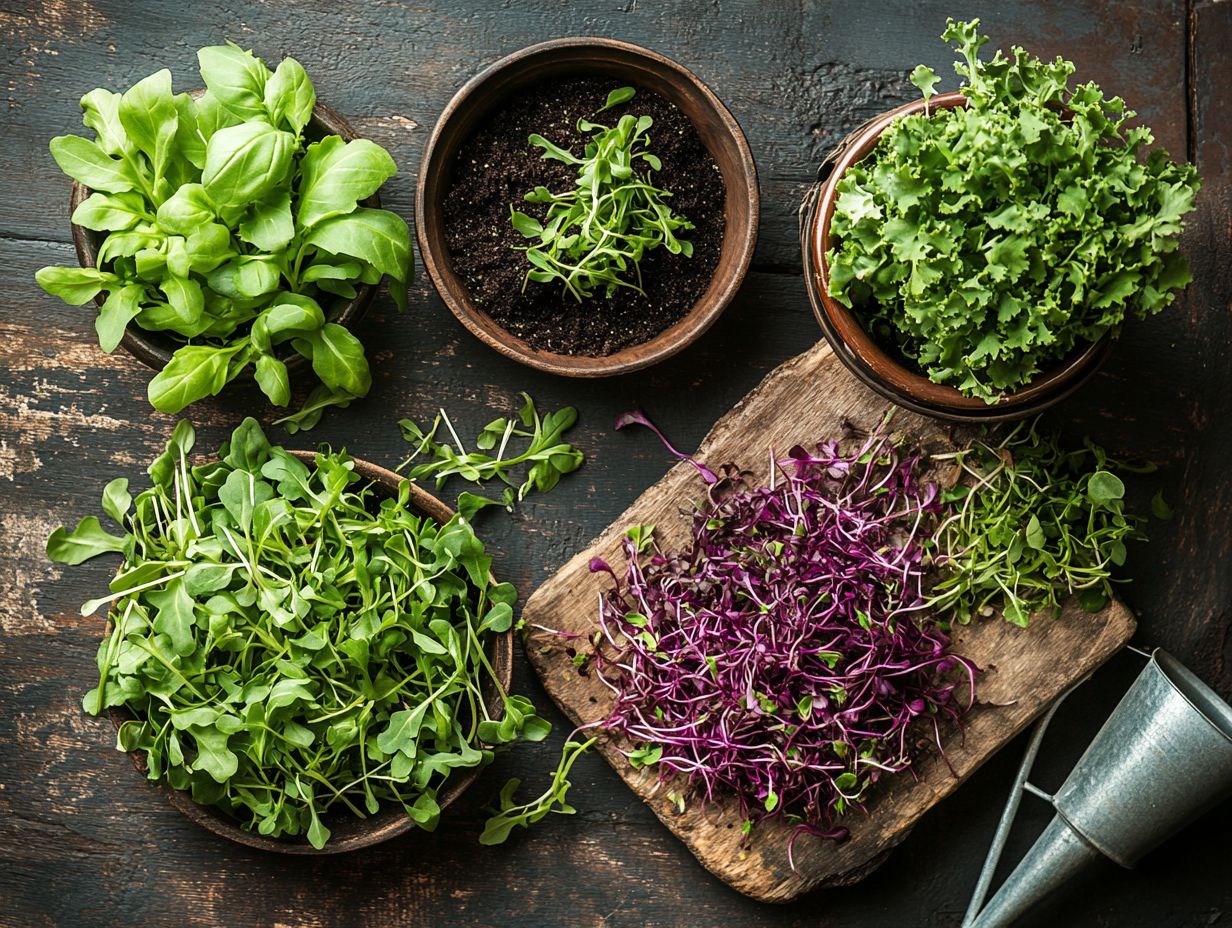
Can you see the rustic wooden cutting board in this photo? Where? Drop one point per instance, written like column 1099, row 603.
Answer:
column 800, row 402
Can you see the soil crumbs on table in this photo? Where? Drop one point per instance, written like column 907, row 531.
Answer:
column 497, row 166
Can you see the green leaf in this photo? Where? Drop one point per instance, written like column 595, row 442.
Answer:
column 236, row 80
column 110, row 212
column 272, row 377
column 1160, row 508
column 618, row 96
column 185, row 298
column 150, row 118
column 289, row 97
column 268, row 224
column 243, row 163
column 335, row 176
column 74, row 285
column 1104, row 487
column 373, row 235
column 87, row 540
column 925, row 78
column 116, row 499
column 186, row 210
column 194, row 372
column 338, row 359
column 85, row 162
column 121, row 305
column 1035, row 534
column 101, row 112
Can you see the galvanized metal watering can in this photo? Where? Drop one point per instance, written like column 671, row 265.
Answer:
column 1162, row 758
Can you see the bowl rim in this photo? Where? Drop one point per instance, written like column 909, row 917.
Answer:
column 387, row 822
column 874, row 365
column 674, row 338
column 154, row 349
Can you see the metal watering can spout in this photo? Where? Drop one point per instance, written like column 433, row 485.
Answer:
column 1161, row 759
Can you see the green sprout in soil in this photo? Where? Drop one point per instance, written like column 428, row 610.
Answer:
column 595, row 235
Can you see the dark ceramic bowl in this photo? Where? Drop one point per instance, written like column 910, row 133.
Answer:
column 883, row 371
column 155, row 348
column 350, row 833
column 628, row 64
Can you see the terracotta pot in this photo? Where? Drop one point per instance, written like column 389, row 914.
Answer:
column 349, row 832
column 155, row 348
column 625, row 64
column 885, row 371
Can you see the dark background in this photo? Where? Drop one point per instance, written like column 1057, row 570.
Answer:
column 84, row 841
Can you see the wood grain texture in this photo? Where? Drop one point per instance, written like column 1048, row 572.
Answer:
column 805, row 400
column 84, row 842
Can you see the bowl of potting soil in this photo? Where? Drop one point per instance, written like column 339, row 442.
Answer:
column 654, row 190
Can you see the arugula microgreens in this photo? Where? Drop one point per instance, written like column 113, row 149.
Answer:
column 594, row 234
column 224, row 228
column 290, row 641
column 546, row 451
column 1030, row 525
column 986, row 242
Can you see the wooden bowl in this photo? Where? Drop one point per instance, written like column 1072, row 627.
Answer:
column 155, row 348
column 350, row 833
column 883, row 371
column 622, row 62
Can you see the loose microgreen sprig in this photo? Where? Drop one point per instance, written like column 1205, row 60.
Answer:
column 224, row 227
column 289, row 642
column 546, row 451
column 989, row 241
column 511, row 815
column 1032, row 524
column 594, row 236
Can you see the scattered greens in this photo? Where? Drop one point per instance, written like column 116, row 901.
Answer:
column 546, row 452
column 777, row 659
column 594, row 236
column 990, row 241
column 290, row 641
column 225, row 228
column 1031, row 524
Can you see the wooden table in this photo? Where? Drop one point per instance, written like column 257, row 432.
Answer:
column 84, row 842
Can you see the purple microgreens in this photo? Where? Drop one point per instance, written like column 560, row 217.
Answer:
column 637, row 417
column 780, row 657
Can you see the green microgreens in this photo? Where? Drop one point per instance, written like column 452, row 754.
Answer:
column 987, row 242
column 1031, row 524
column 511, row 815
column 290, row 642
column 595, row 235
column 547, row 453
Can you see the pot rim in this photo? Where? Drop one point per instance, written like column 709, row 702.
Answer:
column 878, row 368
column 154, row 349
column 742, row 179
column 389, row 821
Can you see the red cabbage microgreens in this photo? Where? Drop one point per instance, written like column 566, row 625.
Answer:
column 637, row 417
column 776, row 658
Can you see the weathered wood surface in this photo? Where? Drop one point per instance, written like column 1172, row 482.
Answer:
column 1026, row 669
column 83, row 842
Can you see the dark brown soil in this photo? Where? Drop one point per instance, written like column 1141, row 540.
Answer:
column 498, row 166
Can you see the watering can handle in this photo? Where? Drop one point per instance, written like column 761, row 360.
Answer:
column 1011, row 807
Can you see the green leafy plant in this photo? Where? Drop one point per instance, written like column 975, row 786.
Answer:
column 224, row 226
column 547, row 455
column 986, row 242
column 289, row 641
column 593, row 237
column 1030, row 525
